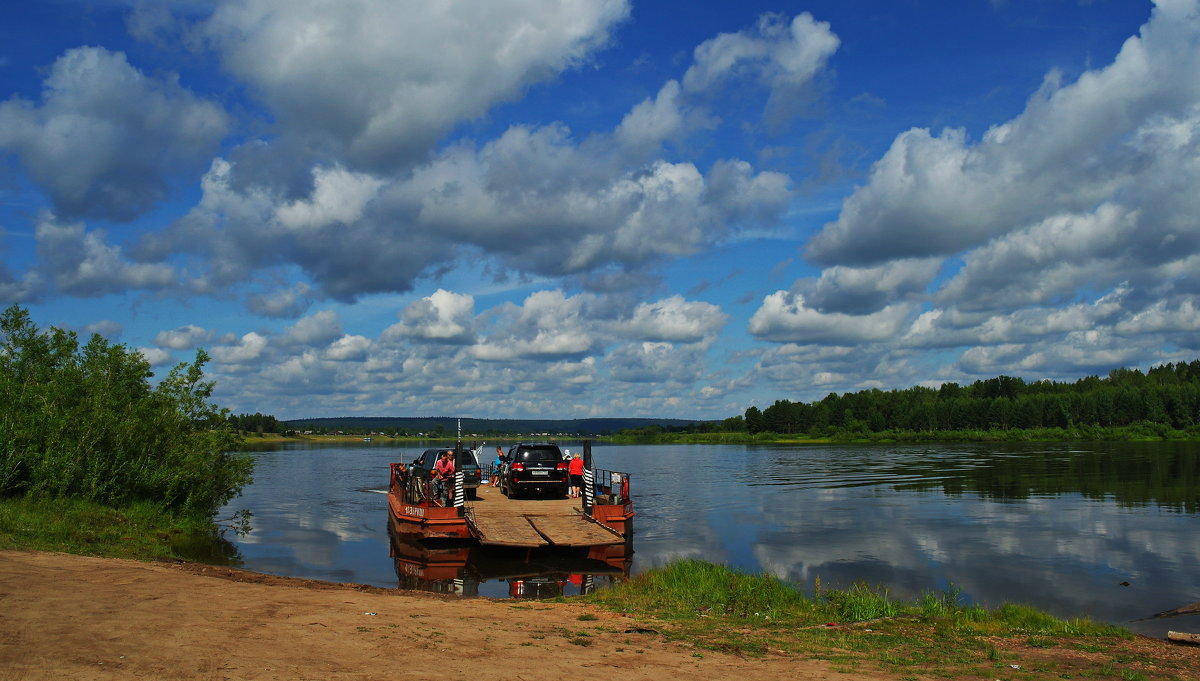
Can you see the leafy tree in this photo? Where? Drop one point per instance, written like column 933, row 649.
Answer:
column 256, row 423
column 86, row 423
column 781, row 417
column 734, row 424
column 754, row 420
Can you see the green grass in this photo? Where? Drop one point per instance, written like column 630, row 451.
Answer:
column 690, row 587
column 716, row 608
column 140, row 531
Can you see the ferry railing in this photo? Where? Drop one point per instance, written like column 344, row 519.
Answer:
column 457, row 494
column 417, row 489
column 612, row 484
column 606, row 487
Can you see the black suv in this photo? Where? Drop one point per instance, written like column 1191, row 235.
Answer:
column 534, row 467
column 464, row 460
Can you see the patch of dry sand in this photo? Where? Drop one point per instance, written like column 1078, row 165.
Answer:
column 73, row 617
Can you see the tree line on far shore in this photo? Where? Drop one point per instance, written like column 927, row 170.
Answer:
column 1127, row 404
column 1166, row 395
column 256, row 423
column 1164, row 400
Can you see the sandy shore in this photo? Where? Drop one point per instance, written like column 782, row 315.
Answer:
column 73, row 617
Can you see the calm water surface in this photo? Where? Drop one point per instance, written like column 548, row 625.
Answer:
column 1060, row 526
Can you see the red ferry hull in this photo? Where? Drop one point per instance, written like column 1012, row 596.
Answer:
column 428, row 522
column 618, row 517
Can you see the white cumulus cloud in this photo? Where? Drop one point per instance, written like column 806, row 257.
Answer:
column 81, row 263
column 786, row 317
column 183, row 338
column 106, row 138
column 379, row 82
column 675, row 319
column 443, row 317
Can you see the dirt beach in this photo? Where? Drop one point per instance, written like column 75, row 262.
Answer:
column 74, row 617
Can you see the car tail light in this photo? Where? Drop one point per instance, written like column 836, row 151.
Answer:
column 518, row 467
column 561, row 466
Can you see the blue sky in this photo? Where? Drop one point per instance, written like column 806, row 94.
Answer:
column 576, row 208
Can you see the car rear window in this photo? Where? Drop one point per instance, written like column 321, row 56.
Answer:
column 540, row 454
column 464, row 458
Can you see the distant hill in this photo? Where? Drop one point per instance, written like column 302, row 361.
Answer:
column 449, row 425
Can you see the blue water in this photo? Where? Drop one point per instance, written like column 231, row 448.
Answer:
column 1060, row 527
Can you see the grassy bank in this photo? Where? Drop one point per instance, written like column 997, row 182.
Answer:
column 141, row 531
column 273, row 438
column 714, row 608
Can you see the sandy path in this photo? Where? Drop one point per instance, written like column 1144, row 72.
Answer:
column 73, row 617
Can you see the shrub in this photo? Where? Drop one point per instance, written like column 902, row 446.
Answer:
column 85, row 422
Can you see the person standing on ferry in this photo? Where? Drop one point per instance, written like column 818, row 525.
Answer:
column 575, row 470
column 498, row 467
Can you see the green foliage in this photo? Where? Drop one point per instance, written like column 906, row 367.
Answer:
column 1026, row 620
column 256, row 423
column 714, row 607
column 946, row 603
column 859, row 603
column 141, row 531
column 85, row 423
column 687, row 587
column 1161, row 404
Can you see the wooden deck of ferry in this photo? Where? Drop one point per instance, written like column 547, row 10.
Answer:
column 496, row 520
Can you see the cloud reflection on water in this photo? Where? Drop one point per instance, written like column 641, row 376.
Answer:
column 1055, row 526
column 851, row 514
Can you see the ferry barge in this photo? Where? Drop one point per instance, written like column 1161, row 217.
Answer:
column 601, row 517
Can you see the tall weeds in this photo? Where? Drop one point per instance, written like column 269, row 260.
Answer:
column 685, row 589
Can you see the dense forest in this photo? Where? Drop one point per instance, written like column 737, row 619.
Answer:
column 1166, row 396
column 256, row 423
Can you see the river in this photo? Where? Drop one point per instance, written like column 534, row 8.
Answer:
column 1100, row 530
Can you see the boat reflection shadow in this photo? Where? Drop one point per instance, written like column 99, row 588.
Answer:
column 464, row 568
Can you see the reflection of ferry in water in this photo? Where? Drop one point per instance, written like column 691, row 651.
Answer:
column 466, row 568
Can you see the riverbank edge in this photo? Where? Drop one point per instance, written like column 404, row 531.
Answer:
column 140, row 531
column 901, row 647
column 83, row 617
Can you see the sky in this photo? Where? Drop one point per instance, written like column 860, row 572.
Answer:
column 604, row 208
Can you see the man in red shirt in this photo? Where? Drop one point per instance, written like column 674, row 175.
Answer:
column 443, row 474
